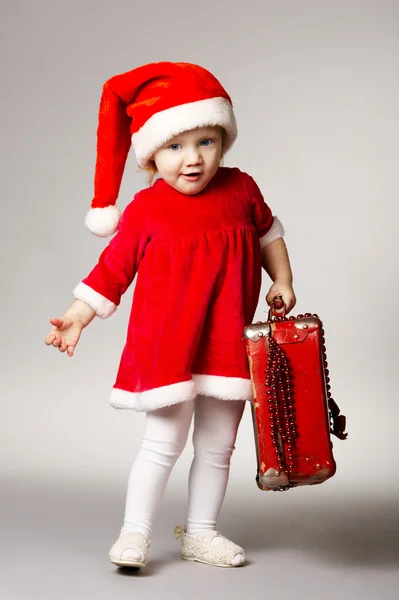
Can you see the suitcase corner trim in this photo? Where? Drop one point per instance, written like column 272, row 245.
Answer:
column 256, row 331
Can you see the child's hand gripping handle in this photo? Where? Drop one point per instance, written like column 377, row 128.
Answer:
column 277, row 308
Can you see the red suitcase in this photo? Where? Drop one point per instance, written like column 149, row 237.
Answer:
column 293, row 412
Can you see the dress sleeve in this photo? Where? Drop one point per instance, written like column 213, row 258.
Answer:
column 268, row 226
column 117, row 265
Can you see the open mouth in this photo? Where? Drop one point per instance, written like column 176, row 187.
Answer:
column 191, row 176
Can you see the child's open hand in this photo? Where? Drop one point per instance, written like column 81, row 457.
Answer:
column 65, row 334
column 282, row 288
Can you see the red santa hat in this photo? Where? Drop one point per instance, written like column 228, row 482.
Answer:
column 145, row 108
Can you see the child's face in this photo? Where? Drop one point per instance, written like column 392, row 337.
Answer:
column 196, row 152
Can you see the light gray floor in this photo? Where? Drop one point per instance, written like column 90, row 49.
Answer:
column 309, row 543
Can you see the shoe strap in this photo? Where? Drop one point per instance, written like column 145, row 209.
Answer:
column 179, row 531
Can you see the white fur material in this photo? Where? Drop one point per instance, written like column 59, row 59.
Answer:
column 155, row 398
column 164, row 125
column 103, row 221
column 104, row 308
column 276, row 231
column 224, row 388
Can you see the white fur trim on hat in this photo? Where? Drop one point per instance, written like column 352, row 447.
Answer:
column 164, row 125
column 275, row 231
column 103, row 221
column 104, row 308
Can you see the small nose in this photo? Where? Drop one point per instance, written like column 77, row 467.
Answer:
column 194, row 156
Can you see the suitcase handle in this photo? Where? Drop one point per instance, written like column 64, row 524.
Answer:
column 277, row 308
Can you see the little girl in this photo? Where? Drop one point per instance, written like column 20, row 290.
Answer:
column 197, row 239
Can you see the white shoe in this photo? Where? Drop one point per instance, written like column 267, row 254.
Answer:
column 211, row 548
column 130, row 550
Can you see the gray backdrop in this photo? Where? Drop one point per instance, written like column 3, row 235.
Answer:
column 316, row 94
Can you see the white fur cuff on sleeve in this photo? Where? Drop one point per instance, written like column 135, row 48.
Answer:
column 103, row 307
column 275, row 231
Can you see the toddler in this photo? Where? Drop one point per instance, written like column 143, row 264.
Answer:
column 197, row 239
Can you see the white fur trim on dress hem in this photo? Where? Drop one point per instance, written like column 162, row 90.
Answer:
column 103, row 307
column 276, row 231
column 164, row 125
column 155, row 398
column 224, row 388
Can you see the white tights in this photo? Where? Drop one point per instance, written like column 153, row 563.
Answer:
column 166, row 430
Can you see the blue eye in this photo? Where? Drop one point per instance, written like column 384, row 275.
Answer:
column 206, row 142
column 174, row 146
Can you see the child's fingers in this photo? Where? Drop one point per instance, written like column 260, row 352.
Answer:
column 58, row 342
column 290, row 302
column 52, row 340
column 49, row 339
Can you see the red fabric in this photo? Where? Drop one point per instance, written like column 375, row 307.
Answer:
column 199, row 268
column 152, row 88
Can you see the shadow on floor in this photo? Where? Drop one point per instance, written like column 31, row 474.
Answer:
column 361, row 530
column 344, row 529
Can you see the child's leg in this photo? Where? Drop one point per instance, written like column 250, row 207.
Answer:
column 164, row 438
column 215, row 428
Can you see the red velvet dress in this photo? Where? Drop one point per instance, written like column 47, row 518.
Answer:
column 198, row 263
